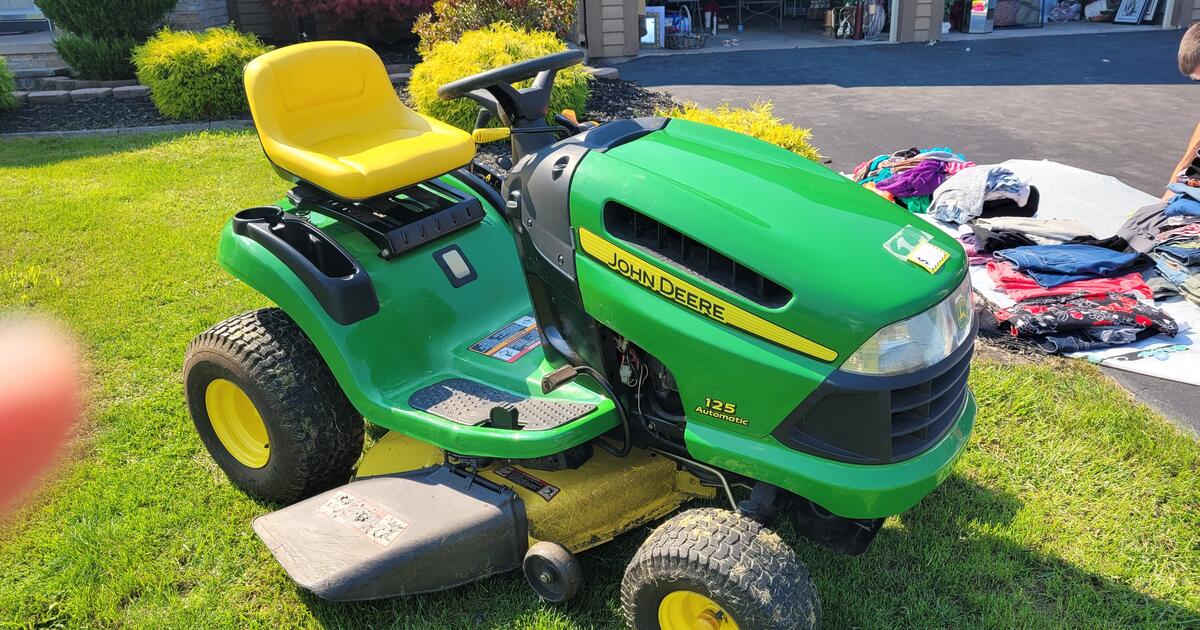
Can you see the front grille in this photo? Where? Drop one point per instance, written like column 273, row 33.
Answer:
column 922, row 414
column 880, row 420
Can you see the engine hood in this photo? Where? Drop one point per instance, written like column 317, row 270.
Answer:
column 796, row 222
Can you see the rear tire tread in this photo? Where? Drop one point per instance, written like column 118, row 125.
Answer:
column 284, row 365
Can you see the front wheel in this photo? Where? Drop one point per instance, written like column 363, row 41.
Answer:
column 715, row 569
column 268, row 409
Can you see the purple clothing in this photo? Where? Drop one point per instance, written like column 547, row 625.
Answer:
column 975, row 255
column 922, row 179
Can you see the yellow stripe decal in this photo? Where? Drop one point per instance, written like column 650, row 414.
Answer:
column 694, row 298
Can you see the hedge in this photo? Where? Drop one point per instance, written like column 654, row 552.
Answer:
column 197, row 75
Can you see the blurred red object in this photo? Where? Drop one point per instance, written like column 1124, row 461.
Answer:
column 40, row 398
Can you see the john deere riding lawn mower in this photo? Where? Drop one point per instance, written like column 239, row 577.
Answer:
column 642, row 312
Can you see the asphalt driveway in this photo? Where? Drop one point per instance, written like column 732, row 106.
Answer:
column 1110, row 103
column 1114, row 104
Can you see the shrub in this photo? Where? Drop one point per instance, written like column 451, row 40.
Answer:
column 449, row 19
column 100, row 34
column 97, row 59
column 758, row 120
column 497, row 45
column 197, row 75
column 106, row 19
column 7, row 85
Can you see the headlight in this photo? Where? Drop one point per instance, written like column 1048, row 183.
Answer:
column 919, row 341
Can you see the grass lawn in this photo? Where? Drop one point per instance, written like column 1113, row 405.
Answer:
column 1073, row 507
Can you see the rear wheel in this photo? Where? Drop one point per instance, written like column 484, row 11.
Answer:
column 268, row 409
column 717, row 570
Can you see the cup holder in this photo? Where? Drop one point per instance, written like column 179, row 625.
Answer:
column 332, row 274
column 258, row 214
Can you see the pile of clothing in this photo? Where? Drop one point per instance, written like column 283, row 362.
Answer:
column 1169, row 233
column 1076, row 296
column 983, row 192
column 946, row 185
column 1071, row 290
column 911, row 176
column 1075, row 292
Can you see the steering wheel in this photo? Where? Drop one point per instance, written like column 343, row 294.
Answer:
column 493, row 89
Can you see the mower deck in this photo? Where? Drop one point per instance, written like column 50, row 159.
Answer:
column 578, row 509
column 410, row 523
column 417, row 532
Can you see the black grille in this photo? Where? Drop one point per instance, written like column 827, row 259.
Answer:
column 692, row 256
column 922, row 414
column 880, row 420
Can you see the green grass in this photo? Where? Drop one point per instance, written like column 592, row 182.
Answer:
column 1073, row 507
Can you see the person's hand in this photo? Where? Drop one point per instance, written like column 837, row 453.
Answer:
column 40, row 400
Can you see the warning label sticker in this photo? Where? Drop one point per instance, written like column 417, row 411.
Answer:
column 511, row 342
column 363, row 515
column 528, row 481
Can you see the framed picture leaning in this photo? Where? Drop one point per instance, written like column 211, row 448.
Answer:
column 1130, row 12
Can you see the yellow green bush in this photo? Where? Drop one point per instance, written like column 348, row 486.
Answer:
column 7, row 85
column 197, row 75
column 447, row 20
column 758, row 120
column 497, row 45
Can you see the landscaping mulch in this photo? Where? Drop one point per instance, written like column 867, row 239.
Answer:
column 613, row 100
column 95, row 114
column 609, row 100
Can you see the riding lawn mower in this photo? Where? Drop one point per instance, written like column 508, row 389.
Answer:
column 639, row 314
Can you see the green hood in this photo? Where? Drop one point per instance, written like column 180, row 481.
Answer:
column 798, row 223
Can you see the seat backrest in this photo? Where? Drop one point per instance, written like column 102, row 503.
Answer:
column 303, row 94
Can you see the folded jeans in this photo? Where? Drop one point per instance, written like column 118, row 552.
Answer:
column 1052, row 265
column 1186, row 253
column 1090, row 339
column 1169, row 268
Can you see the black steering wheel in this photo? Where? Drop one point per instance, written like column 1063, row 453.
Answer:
column 493, row 89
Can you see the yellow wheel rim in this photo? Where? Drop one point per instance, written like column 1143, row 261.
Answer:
column 688, row 610
column 237, row 423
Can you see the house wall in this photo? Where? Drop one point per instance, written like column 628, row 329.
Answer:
column 196, row 15
column 612, row 27
column 919, row 20
column 254, row 16
column 1183, row 13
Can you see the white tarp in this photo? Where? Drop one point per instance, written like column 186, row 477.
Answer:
column 1103, row 203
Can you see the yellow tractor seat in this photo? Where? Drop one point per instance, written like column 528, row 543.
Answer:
column 326, row 113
